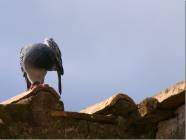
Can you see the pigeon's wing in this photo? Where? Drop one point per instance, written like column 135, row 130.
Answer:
column 22, row 69
column 58, row 62
column 55, row 48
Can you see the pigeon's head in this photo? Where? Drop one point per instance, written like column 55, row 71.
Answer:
column 48, row 41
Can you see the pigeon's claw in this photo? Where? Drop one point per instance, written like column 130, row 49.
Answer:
column 34, row 85
column 37, row 84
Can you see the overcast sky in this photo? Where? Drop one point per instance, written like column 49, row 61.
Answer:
column 108, row 46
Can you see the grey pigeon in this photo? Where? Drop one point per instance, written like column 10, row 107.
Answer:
column 37, row 59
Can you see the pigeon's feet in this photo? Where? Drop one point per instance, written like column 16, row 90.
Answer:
column 34, row 85
column 43, row 85
column 38, row 84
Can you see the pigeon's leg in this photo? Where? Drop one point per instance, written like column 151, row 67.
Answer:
column 34, row 84
column 42, row 83
column 38, row 84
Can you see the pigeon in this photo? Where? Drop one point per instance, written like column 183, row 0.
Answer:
column 36, row 59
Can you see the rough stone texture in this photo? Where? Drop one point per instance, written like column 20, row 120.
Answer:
column 174, row 127
column 39, row 113
column 30, row 93
column 172, row 97
column 117, row 105
column 104, row 106
column 150, row 111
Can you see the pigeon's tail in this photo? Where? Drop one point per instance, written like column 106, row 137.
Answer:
column 59, row 82
column 28, row 83
column 26, row 78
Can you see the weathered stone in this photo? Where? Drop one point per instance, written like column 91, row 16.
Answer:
column 83, row 116
column 1, row 122
column 150, row 112
column 163, row 103
column 101, row 108
column 30, row 93
column 119, row 105
column 44, row 101
column 14, row 112
column 172, row 97
column 147, row 106
column 174, row 127
column 32, row 106
column 39, row 114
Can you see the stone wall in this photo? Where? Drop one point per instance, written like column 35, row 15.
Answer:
column 39, row 113
column 174, row 127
